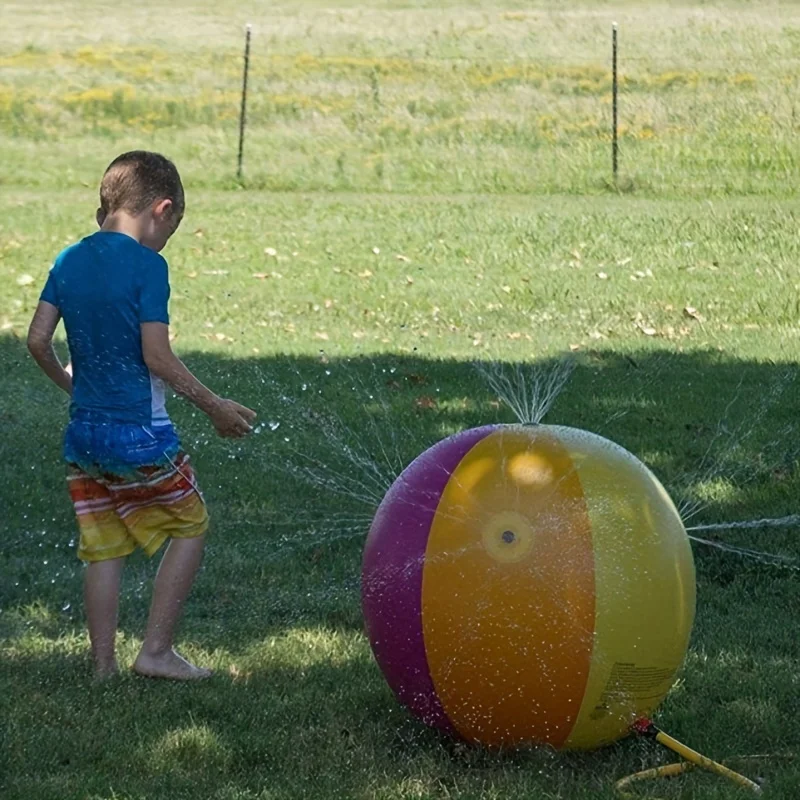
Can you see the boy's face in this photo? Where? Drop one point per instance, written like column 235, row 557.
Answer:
column 162, row 220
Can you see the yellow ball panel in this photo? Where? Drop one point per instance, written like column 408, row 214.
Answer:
column 645, row 588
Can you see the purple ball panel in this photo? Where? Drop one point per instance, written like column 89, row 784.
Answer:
column 394, row 558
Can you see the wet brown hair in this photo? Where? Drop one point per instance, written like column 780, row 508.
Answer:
column 135, row 180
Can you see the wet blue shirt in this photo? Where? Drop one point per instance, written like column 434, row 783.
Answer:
column 105, row 286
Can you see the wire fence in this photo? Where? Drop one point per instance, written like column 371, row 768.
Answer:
column 309, row 114
column 628, row 98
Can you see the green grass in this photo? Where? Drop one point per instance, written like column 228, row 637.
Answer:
column 411, row 99
column 425, row 186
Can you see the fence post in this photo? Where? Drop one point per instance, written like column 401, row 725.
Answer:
column 614, row 104
column 243, row 111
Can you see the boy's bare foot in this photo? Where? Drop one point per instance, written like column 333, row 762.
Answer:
column 168, row 665
column 105, row 670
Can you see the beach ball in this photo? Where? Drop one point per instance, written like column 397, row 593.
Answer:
column 528, row 585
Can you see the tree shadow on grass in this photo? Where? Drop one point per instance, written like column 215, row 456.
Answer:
column 298, row 731
column 715, row 430
column 284, row 555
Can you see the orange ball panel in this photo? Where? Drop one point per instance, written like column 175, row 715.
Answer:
column 508, row 595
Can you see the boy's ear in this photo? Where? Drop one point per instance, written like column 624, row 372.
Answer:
column 163, row 208
column 100, row 217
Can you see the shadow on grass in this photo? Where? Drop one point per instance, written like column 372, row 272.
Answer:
column 327, row 730
column 284, row 560
column 715, row 430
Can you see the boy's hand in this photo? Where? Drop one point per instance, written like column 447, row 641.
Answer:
column 232, row 421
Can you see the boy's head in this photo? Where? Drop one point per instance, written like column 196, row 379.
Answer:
column 146, row 186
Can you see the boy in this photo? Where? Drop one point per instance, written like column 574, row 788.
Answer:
column 130, row 482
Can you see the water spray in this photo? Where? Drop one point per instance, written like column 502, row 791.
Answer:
column 364, row 463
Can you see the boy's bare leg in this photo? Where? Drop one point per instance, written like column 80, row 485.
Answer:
column 101, row 596
column 175, row 576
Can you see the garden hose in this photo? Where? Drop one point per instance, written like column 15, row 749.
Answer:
column 692, row 759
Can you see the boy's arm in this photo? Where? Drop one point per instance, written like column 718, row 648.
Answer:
column 229, row 418
column 40, row 343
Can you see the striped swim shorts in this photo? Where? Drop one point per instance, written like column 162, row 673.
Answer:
column 132, row 505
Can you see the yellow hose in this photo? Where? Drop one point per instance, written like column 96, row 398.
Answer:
column 693, row 759
column 668, row 771
column 706, row 763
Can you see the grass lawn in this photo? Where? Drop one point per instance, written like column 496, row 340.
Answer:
column 426, row 186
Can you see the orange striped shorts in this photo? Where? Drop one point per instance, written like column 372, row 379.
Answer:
column 116, row 515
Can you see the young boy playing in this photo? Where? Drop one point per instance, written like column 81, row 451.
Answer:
column 130, row 482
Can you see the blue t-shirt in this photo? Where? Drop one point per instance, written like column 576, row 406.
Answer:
column 105, row 286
